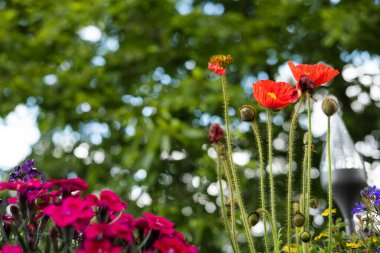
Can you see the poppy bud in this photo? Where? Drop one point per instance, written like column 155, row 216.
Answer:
column 305, row 236
column 253, row 218
column 298, row 220
column 247, row 113
column 215, row 133
column 329, row 106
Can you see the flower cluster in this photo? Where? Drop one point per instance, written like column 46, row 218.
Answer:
column 367, row 210
column 217, row 64
column 76, row 222
column 367, row 213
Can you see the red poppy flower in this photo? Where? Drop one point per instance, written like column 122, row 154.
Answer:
column 310, row 77
column 274, row 95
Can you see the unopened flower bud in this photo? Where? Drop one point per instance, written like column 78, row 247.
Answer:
column 215, row 133
column 247, row 113
column 298, row 220
column 329, row 106
column 253, row 218
column 305, row 236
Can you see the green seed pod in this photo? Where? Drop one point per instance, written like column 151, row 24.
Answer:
column 329, row 106
column 253, row 218
column 314, row 203
column 305, row 136
column 305, row 236
column 247, row 113
column 298, row 220
column 296, row 207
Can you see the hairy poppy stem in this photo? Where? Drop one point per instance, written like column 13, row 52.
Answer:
column 271, row 179
column 231, row 229
column 239, row 199
column 256, row 133
column 293, row 125
column 308, row 184
column 330, row 182
column 275, row 241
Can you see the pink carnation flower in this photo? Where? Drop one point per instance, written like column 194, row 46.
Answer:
column 72, row 212
column 101, row 246
column 11, row 249
column 159, row 223
column 168, row 244
column 107, row 199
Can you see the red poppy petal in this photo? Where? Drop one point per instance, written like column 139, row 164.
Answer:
column 318, row 73
column 325, row 74
column 295, row 71
column 271, row 94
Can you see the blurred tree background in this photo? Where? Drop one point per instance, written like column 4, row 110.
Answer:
column 125, row 99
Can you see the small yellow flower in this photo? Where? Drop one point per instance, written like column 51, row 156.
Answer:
column 374, row 239
column 292, row 249
column 326, row 212
column 353, row 245
column 321, row 235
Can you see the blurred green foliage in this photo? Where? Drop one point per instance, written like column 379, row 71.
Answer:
column 126, row 83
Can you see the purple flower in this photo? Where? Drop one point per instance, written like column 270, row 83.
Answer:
column 377, row 250
column 25, row 172
column 358, row 208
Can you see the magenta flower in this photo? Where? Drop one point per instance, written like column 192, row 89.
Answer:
column 107, row 199
column 11, row 249
column 32, row 188
column 99, row 246
column 72, row 212
column 70, row 185
column 168, row 244
column 159, row 223
column 110, row 231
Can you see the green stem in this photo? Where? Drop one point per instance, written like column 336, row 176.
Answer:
column 308, row 183
column 3, row 233
column 256, row 133
column 271, row 179
column 275, row 241
column 330, row 182
column 230, row 229
column 232, row 198
column 293, row 125
column 243, row 213
column 304, row 173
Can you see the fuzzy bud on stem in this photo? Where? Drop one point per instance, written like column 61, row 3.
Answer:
column 253, row 218
column 298, row 220
column 305, row 236
column 329, row 106
column 247, row 113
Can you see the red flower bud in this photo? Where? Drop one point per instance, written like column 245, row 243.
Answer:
column 215, row 133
